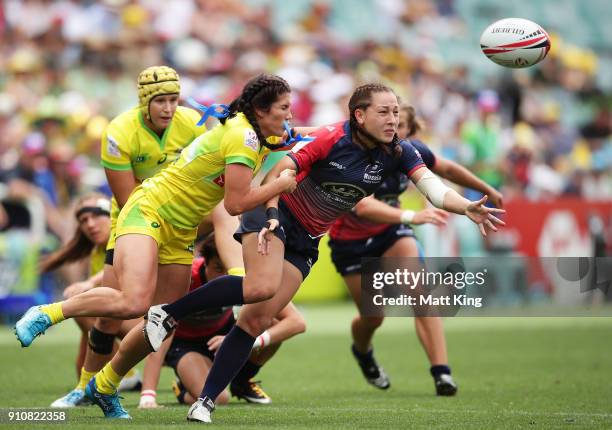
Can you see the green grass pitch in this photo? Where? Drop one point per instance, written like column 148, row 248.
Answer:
column 512, row 373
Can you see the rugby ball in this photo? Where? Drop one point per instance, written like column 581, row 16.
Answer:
column 515, row 43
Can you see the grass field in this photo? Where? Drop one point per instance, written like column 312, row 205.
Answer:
column 512, row 372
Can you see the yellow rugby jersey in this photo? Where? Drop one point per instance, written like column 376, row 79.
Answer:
column 128, row 144
column 190, row 188
column 96, row 260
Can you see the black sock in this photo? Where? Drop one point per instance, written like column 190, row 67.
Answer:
column 222, row 291
column 439, row 370
column 361, row 356
column 248, row 371
column 230, row 358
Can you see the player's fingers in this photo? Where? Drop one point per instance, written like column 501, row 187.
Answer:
column 482, row 229
column 490, row 225
column 496, row 220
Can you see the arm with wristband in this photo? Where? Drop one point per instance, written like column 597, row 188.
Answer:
column 285, row 167
column 375, row 210
column 287, row 323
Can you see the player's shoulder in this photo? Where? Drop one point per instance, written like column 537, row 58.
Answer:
column 326, row 137
column 334, row 132
column 186, row 116
column 125, row 124
column 238, row 130
column 412, row 146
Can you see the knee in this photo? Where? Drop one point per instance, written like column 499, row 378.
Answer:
column 131, row 309
column 100, row 342
column 223, row 398
column 256, row 325
column 300, row 325
column 108, row 325
column 258, row 290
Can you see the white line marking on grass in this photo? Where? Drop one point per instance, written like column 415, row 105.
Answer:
column 442, row 411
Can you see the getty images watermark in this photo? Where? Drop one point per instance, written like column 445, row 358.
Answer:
column 491, row 286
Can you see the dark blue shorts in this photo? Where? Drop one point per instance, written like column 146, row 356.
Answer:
column 180, row 347
column 301, row 249
column 347, row 254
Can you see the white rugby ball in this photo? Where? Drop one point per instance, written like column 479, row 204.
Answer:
column 515, row 43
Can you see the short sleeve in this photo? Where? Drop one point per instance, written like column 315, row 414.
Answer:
column 411, row 160
column 192, row 117
column 304, row 156
column 429, row 158
column 114, row 151
column 240, row 146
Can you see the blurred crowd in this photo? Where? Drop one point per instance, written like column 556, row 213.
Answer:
column 67, row 67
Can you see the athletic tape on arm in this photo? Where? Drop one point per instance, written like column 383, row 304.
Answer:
column 433, row 188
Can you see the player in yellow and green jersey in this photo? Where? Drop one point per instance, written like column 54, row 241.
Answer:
column 135, row 146
column 157, row 226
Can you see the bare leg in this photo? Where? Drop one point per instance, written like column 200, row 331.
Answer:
column 362, row 327
column 229, row 249
column 137, row 283
column 173, row 284
column 193, row 370
column 430, row 330
column 94, row 361
column 84, row 324
column 168, row 275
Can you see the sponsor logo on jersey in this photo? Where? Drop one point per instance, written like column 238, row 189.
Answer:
column 142, row 158
column 337, row 165
column 162, row 159
column 345, row 191
column 220, row 180
column 155, row 224
column 372, row 173
column 112, row 148
column 250, row 139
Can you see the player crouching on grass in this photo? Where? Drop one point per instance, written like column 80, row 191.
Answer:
column 199, row 336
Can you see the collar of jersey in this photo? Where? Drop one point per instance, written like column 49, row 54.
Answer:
column 161, row 141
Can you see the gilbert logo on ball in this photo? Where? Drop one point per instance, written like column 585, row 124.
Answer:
column 515, row 43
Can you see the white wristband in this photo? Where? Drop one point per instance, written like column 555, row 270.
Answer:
column 262, row 340
column 407, row 216
column 148, row 393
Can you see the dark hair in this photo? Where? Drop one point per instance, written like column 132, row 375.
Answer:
column 259, row 93
column 361, row 99
column 77, row 248
column 414, row 123
column 208, row 249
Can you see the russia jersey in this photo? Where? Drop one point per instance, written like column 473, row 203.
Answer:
column 192, row 186
column 334, row 174
column 128, row 144
column 204, row 323
column 351, row 227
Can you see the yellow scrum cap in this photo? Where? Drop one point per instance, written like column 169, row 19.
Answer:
column 154, row 81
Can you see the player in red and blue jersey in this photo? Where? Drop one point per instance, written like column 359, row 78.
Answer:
column 378, row 228
column 345, row 163
column 198, row 336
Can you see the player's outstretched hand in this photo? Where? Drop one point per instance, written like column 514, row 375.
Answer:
column 433, row 216
column 483, row 216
